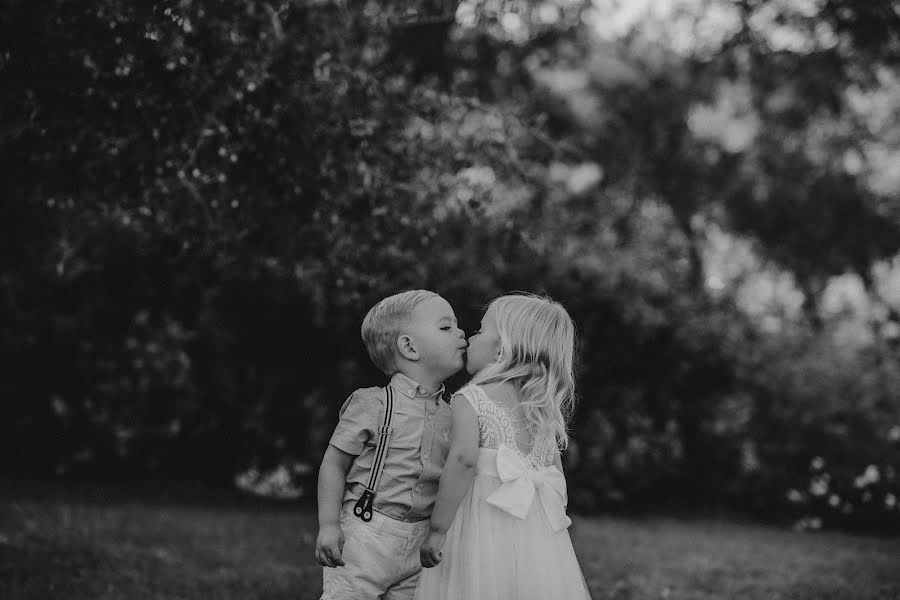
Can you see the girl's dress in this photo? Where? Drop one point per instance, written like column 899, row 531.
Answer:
column 509, row 539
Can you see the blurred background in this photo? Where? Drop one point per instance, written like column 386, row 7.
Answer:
column 203, row 198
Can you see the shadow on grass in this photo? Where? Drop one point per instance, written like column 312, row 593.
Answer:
column 74, row 569
column 37, row 568
column 85, row 544
column 78, row 546
column 673, row 559
column 873, row 578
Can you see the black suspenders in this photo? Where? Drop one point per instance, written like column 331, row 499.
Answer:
column 363, row 507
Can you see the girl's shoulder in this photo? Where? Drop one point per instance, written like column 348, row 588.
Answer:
column 483, row 397
column 470, row 392
column 475, row 390
column 500, row 391
column 475, row 394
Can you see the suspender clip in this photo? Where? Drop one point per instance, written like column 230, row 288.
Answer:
column 363, row 507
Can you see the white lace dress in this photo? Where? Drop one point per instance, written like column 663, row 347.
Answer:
column 509, row 539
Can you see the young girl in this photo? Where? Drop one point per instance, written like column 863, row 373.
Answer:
column 499, row 526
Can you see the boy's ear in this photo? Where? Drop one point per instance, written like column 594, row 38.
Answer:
column 407, row 347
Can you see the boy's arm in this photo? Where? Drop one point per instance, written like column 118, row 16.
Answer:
column 332, row 477
column 459, row 471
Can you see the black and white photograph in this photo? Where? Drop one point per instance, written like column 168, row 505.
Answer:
column 450, row 300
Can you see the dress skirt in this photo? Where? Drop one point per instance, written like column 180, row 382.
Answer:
column 490, row 554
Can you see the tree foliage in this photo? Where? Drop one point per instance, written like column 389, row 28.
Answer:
column 203, row 199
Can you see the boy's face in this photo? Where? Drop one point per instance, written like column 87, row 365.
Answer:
column 484, row 346
column 440, row 342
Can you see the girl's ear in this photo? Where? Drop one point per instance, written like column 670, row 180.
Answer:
column 407, row 347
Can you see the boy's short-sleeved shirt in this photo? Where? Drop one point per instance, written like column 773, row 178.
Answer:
column 420, row 441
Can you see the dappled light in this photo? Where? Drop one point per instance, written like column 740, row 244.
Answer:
column 203, row 199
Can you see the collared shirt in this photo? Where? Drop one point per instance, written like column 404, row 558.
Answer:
column 420, row 441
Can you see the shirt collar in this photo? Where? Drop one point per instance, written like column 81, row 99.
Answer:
column 411, row 389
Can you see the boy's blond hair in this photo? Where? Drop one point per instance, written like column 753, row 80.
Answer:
column 385, row 322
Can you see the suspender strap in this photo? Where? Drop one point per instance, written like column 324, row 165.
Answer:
column 384, row 434
column 363, row 507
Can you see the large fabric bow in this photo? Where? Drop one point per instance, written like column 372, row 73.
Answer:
column 520, row 484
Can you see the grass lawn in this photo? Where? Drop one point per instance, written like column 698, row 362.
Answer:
column 70, row 546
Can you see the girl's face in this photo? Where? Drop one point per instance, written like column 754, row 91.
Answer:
column 484, row 345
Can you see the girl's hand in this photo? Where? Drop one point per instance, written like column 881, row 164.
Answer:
column 430, row 552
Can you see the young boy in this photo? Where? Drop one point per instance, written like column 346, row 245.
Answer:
column 414, row 339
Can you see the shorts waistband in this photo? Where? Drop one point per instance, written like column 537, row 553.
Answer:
column 386, row 524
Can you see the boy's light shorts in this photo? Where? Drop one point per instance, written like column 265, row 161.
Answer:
column 381, row 559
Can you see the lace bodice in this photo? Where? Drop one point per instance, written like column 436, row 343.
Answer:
column 496, row 428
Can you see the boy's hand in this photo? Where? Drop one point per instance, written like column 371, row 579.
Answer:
column 430, row 552
column 329, row 546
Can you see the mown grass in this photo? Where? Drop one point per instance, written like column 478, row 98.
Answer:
column 75, row 547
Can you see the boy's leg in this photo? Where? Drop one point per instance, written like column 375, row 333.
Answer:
column 369, row 563
column 405, row 588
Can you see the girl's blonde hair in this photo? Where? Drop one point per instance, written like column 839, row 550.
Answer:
column 537, row 354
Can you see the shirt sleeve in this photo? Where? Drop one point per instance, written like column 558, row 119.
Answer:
column 358, row 420
column 469, row 394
